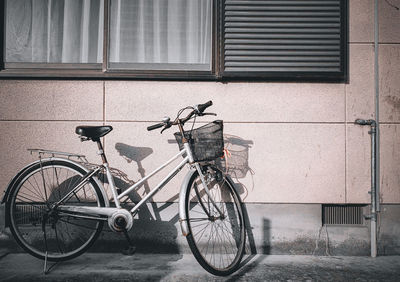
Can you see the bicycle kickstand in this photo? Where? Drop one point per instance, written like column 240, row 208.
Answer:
column 131, row 249
column 46, row 270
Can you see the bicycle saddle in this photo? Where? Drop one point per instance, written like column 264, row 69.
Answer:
column 93, row 132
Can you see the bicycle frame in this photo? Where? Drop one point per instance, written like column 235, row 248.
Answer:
column 108, row 211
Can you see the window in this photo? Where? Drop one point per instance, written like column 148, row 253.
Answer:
column 51, row 32
column 160, row 34
column 178, row 39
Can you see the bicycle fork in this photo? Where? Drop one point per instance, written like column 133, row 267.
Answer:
column 199, row 171
column 204, row 183
column 184, row 190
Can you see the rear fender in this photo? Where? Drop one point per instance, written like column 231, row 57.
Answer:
column 13, row 180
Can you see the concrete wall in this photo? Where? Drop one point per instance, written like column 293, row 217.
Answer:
column 298, row 143
column 300, row 140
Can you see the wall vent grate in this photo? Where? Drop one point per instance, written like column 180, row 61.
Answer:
column 342, row 214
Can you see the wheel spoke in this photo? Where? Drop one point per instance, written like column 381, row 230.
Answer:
column 37, row 189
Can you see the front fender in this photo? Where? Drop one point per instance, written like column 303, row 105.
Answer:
column 182, row 197
column 11, row 184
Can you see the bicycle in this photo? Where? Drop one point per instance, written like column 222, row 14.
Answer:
column 56, row 207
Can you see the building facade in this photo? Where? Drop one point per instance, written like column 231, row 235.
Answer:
column 294, row 145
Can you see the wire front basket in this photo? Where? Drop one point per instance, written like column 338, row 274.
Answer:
column 206, row 142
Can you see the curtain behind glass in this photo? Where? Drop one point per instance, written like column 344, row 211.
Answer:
column 160, row 34
column 54, row 31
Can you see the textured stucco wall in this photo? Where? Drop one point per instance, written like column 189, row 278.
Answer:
column 299, row 138
column 272, row 229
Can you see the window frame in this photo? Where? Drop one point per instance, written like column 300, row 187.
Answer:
column 102, row 71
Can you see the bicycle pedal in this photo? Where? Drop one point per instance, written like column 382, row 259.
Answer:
column 129, row 251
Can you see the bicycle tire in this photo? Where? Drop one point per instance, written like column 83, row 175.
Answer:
column 218, row 244
column 34, row 191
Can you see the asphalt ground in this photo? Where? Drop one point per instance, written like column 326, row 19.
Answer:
column 178, row 267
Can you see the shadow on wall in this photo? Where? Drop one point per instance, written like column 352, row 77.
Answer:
column 249, row 263
column 236, row 161
column 150, row 232
column 236, row 164
column 266, row 244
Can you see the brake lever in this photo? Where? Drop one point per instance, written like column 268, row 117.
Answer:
column 208, row 114
column 168, row 125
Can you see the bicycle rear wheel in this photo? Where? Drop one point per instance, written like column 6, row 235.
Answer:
column 37, row 228
column 216, row 230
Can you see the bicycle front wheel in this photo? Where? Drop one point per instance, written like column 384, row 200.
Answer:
column 216, row 224
column 37, row 228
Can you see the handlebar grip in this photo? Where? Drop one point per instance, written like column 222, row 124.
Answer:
column 202, row 107
column 155, row 126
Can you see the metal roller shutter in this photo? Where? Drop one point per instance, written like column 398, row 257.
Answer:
column 284, row 38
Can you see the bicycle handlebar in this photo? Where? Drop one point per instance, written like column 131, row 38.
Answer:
column 202, row 107
column 197, row 110
column 155, row 126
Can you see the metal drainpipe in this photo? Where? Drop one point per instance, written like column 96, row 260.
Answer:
column 376, row 192
column 373, row 216
column 375, row 142
column 376, row 70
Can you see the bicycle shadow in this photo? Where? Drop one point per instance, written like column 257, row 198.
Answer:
column 150, row 221
column 253, row 259
column 137, row 155
column 150, row 233
column 236, row 164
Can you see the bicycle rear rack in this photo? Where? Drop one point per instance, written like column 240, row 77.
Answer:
column 40, row 152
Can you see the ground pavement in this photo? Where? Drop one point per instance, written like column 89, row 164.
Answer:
column 178, row 267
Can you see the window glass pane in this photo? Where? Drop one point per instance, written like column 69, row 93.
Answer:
column 54, row 31
column 160, row 34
